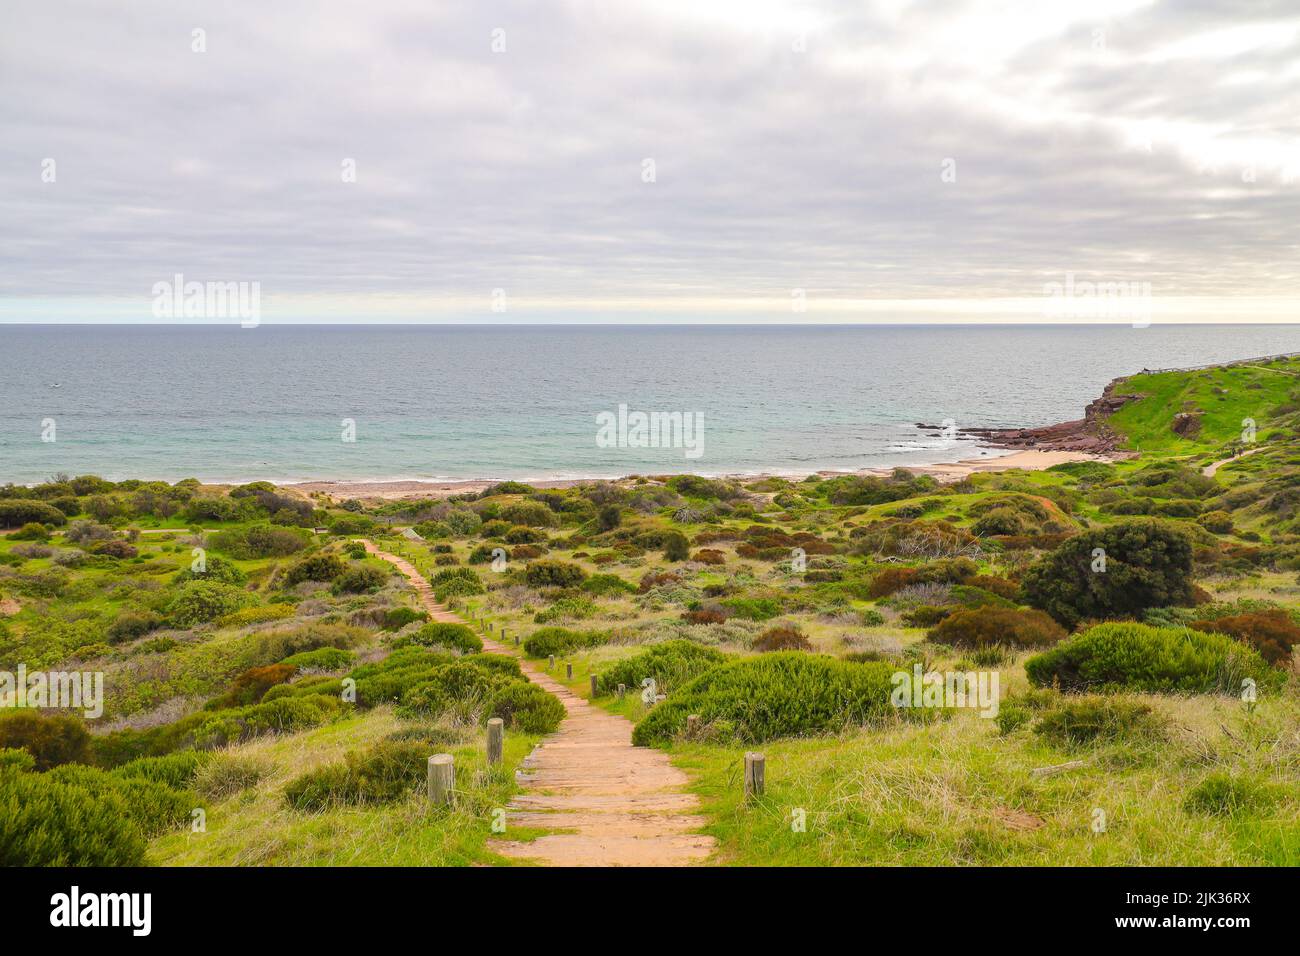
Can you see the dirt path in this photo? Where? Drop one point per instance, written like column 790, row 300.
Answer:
column 1210, row 469
column 619, row 805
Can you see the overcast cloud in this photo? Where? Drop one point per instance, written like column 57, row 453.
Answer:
column 795, row 146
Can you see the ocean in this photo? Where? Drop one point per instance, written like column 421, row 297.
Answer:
column 293, row 403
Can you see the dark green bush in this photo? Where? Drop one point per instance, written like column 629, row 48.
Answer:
column 608, row 585
column 173, row 770
column 399, row 617
column 16, row 512
column 1147, row 564
column 322, row 658
column 154, row 807
column 314, row 567
column 1157, row 659
column 549, row 573
column 47, row 822
column 786, row 694
column 198, row 602
column 360, row 579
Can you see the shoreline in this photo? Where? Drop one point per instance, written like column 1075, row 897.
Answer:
column 945, row 472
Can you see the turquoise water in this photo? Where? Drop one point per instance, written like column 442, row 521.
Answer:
column 229, row 404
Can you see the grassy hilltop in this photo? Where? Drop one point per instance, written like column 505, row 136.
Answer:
column 1148, row 711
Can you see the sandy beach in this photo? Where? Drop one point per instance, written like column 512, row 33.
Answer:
column 1028, row 460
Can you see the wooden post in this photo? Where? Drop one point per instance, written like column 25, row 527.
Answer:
column 568, row 670
column 692, row 726
column 593, row 686
column 516, row 640
column 496, row 737
column 755, row 766
column 442, row 779
column 622, row 689
column 551, row 663
column 1295, row 658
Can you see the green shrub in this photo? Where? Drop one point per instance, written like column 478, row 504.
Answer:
column 154, row 807
column 456, row 582
column 753, row 609
column 549, row 573
column 173, row 770
column 360, row 579
column 129, row 625
column 559, row 641
column 260, row 541
column 458, row 637
column 386, row 681
column 567, row 609
column 527, row 708
column 989, row 626
column 1088, row 720
column 1148, row 564
column 1157, row 659
column 198, row 602
column 676, row 547
column 382, row 774
column 461, row 688
column 47, row 822
column 282, row 715
column 314, row 567
column 12, row 759
column 50, row 739
column 399, row 617
column 321, row 659
column 671, row 664
column 608, row 585
column 258, row 614
column 776, row 695
column 16, row 512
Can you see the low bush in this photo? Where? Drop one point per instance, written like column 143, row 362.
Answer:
column 608, row 585
column 398, row 617
column 198, row 602
column 154, row 807
column 314, row 567
column 226, row 775
column 176, row 770
column 457, row 637
column 360, row 579
column 777, row 695
column 550, row 573
column 382, row 774
column 47, row 822
column 50, row 739
column 559, row 641
column 1272, row 633
column 783, row 637
column 988, row 626
column 527, row 708
column 1089, row 720
column 753, row 609
column 321, row 659
column 1157, row 659
column 671, row 664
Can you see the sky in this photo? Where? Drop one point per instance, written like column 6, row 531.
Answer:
column 652, row 160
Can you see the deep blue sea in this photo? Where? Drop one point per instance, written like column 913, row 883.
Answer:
column 222, row 403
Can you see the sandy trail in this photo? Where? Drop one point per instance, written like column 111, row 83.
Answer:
column 1210, row 469
column 619, row 805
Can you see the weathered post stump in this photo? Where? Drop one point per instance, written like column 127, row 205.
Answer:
column 692, row 726
column 496, row 739
column 622, row 689
column 593, row 686
column 442, row 779
column 755, row 773
column 568, row 670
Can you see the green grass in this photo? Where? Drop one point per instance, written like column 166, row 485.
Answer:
column 256, row 828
